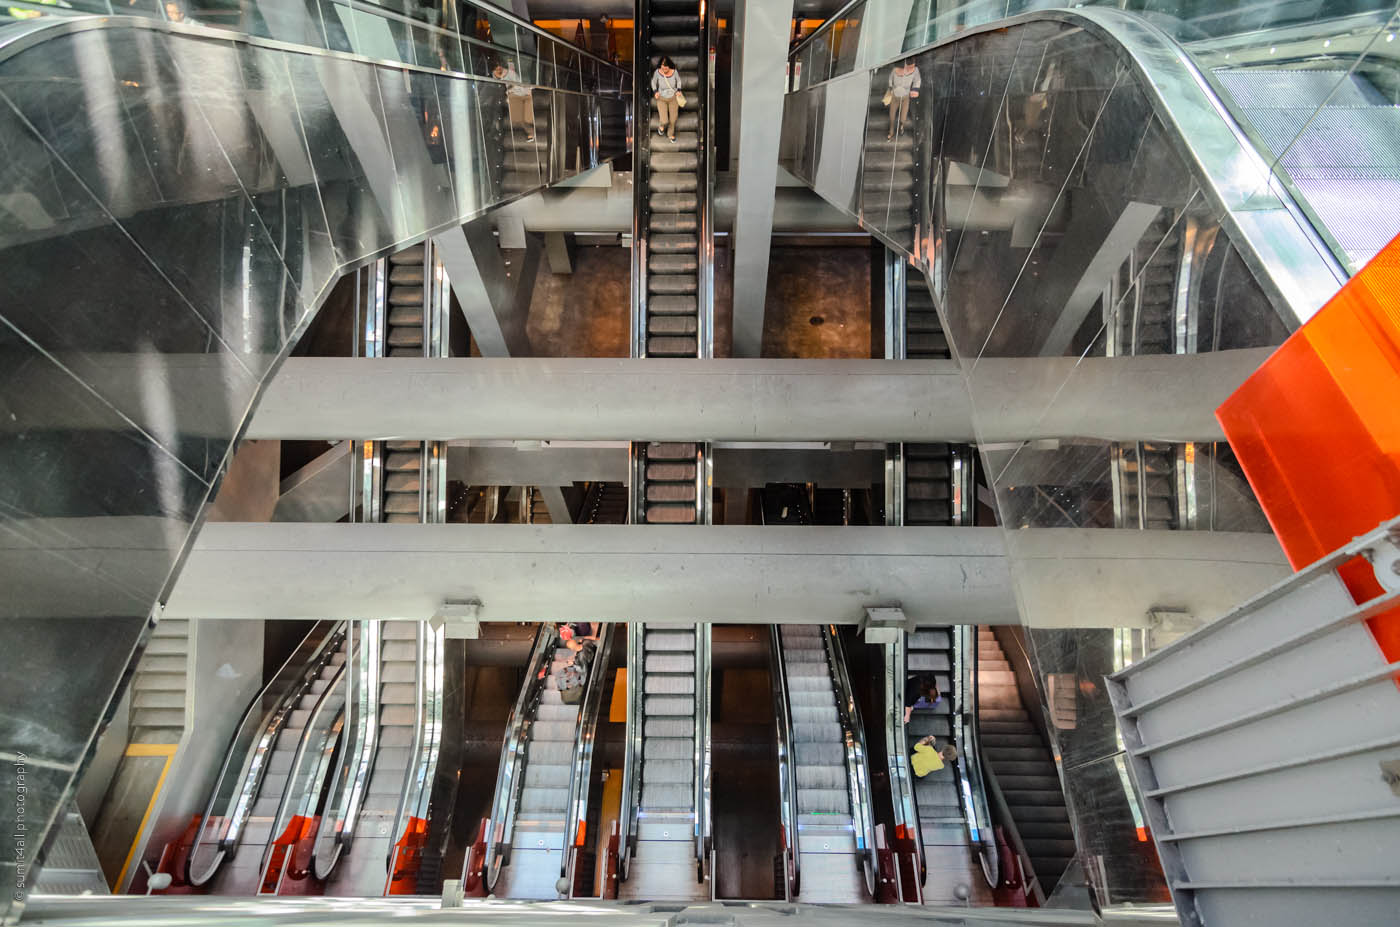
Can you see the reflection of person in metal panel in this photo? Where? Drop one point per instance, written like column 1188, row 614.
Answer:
column 904, row 86
column 520, row 98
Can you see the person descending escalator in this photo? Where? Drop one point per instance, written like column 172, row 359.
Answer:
column 920, row 691
column 571, row 678
column 929, row 757
column 904, row 86
column 666, row 88
column 520, row 99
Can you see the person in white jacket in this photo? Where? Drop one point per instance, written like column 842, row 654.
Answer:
column 520, row 99
column 665, row 84
column 904, row 86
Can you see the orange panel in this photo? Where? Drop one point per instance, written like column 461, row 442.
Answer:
column 1317, row 429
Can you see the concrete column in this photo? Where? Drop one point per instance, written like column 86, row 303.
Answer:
column 760, row 40
column 494, row 299
column 559, row 250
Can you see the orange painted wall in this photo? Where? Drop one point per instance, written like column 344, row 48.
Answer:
column 1317, row 429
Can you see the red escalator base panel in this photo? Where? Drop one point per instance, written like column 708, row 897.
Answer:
column 1317, row 430
column 404, row 880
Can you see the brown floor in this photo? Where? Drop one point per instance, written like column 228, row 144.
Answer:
column 818, row 304
column 586, row 313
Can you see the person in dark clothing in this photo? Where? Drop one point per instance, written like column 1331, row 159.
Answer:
column 920, row 691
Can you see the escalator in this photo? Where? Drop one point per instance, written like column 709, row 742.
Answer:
column 666, row 789
column 539, row 815
column 672, row 260
column 273, row 777
column 604, row 504
column 1024, row 765
column 826, row 791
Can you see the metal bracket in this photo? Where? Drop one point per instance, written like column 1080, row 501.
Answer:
column 884, row 624
column 1174, row 620
column 461, row 618
column 1385, row 560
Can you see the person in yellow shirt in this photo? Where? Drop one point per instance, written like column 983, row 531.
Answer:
column 928, row 758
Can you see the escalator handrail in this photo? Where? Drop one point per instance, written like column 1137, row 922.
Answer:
column 1001, row 813
column 702, row 743
column 427, row 740
column 632, row 762
column 510, row 773
column 260, row 731
column 787, row 766
column 968, row 767
column 906, row 809
column 585, row 740
column 705, row 180
column 357, row 760
column 857, row 756
column 1210, row 131
column 292, row 803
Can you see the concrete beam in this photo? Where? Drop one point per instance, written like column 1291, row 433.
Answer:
column 760, row 46
column 1070, row 577
column 1164, row 398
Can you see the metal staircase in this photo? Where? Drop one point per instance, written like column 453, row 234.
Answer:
column 159, row 685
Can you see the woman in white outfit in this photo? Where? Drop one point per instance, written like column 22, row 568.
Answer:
column 904, row 85
column 520, row 99
column 665, row 83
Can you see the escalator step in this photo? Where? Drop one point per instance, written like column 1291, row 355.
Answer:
column 819, row 754
column 685, row 142
column 668, row 772
column 679, row 640
column 410, row 255
column 673, row 202
column 403, row 460
column 661, row 705
column 406, row 295
column 823, row 801
column 670, row 472
column 673, row 222
column 405, row 352
column 687, row 121
column 670, row 492
column 400, row 316
column 664, row 158
column 672, row 346
column 665, row 264
column 674, row 43
column 665, row 797
column 821, row 777
column 673, row 22
column 406, row 275
column 668, row 748
column 399, row 519
column 398, row 503
column 670, row 514
column 667, row 684
column 405, row 482
column 674, row 244
column 672, row 284
column 411, row 337
column 669, row 729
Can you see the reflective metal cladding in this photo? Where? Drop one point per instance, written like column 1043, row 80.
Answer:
column 176, row 197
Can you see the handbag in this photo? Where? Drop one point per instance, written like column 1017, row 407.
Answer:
column 680, row 100
column 888, row 98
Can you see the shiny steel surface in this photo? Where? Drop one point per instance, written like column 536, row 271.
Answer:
column 245, row 763
column 787, row 772
column 897, row 751
column 969, row 765
column 857, row 757
column 591, row 710
column 186, row 193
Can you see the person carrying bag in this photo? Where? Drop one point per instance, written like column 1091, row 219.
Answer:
column 666, row 88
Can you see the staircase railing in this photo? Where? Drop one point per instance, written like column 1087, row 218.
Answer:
column 857, row 757
column 787, row 767
column 510, row 774
column 967, row 738
column 245, row 761
column 906, row 811
column 632, row 763
column 576, row 822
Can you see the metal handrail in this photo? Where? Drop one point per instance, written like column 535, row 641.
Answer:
column 316, row 742
column 418, row 786
column 967, row 739
column 584, row 742
column 1002, row 814
column 705, row 177
column 857, row 755
column 702, row 746
column 824, row 28
column 787, row 769
column 253, row 766
column 641, row 171
column 510, row 774
column 906, row 810
column 632, row 763
column 362, row 717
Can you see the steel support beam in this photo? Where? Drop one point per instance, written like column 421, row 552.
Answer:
column 1161, row 397
column 760, row 39
column 495, row 301
column 1068, row 577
